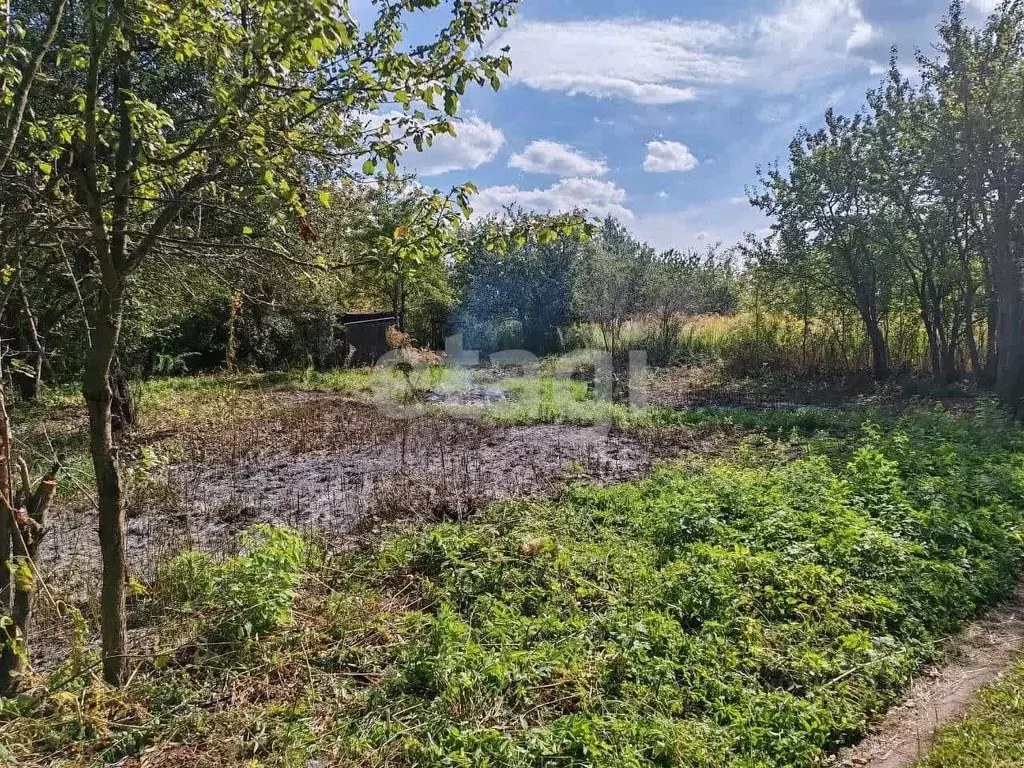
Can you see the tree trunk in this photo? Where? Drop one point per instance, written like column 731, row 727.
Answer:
column 99, row 399
column 934, row 354
column 234, row 312
column 1010, row 351
column 8, row 656
column 33, row 378
column 122, row 407
column 805, row 311
column 969, row 333
column 991, row 324
column 33, row 507
column 30, row 381
column 26, row 360
column 879, row 349
column 974, row 352
column 1008, row 272
column 400, row 304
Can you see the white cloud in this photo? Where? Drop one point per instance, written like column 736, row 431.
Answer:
column 602, row 87
column 984, row 6
column 669, row 157
column 557, row 159
column 477, row 143
column 674, row 60
column 697, row 227
column 601, row 198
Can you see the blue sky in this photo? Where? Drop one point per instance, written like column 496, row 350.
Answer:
column 658, row 111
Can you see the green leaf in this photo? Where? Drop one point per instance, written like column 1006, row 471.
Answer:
column 451, row 103
column 325, row 198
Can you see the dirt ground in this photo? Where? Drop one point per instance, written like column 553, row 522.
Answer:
column 333, row 465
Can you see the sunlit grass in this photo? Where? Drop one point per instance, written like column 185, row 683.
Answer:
column 753, row 342
column 992, row 734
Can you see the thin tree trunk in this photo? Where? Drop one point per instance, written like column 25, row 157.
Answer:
column 934, row 353
column 122, row 408
column 879, row 350
column 33, row 508
column 969, row 332
column 972, row 348
column 991, row 323
column 5, row 492
column 99, row 399
column 33, row 379
column 235, row 311
column 8, row 655
column 805, row 310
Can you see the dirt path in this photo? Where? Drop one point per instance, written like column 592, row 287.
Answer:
column 984, row 651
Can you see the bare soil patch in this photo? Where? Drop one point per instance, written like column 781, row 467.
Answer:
column 698, row 386
column 981, row 653
column 336, row 466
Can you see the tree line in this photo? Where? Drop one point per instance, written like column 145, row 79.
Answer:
column 915, row 205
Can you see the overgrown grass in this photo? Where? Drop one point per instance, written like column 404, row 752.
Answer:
column 992, row 734
column 721, row 615
column 549, row 400
column 172, row 408
column 752, row 343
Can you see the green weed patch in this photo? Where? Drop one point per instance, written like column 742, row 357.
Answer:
column 752, row 614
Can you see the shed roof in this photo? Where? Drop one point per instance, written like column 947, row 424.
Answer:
column 357, row 318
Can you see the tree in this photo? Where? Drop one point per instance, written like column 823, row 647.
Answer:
column 530, row 285
column 828, row 223
column 685, row 284
column 924, row 222
column 978, row 78
column 397, row 246
column 616, row 285
column 222, row 106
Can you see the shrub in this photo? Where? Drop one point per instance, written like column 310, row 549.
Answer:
column 244, row 596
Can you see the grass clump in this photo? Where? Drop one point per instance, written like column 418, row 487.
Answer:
column 992, row 734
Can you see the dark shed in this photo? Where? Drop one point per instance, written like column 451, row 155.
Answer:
column 364, row 337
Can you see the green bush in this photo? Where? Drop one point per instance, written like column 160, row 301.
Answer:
column 241, row 597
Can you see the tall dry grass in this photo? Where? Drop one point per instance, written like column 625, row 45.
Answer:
column 749, row 343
